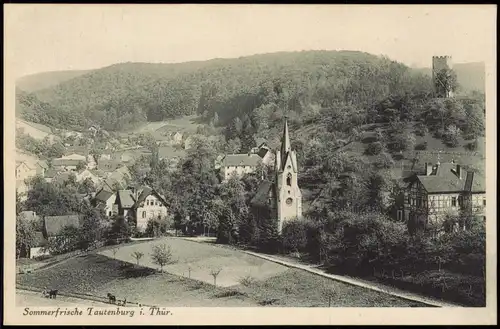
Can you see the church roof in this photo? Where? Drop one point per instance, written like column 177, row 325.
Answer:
column 262, row 195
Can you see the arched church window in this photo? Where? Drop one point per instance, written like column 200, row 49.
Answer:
column 289, row 180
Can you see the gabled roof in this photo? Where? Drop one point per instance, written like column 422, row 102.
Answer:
column 39, row 240
column 261, row 197
column 51, row 173
column 146, row 191
column 66, row 162
column 28, row 215
column 108, row 165
column 241, row 160
column 43, row 164
column 263, row 152
column 54, row 224
column 445, row 179
column 125, row 199
column 103, row 195
column 26, row 163
column 62, row 176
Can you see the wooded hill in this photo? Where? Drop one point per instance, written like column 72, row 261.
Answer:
column 124, row 95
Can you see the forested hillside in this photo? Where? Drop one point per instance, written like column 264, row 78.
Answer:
column 125, row 94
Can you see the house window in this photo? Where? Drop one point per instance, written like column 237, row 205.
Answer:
column 109, row 213
column 484, row 202
column 289, row 180
column 460, row 201
column 400, row 215
column 143, row 214
column 453, row 201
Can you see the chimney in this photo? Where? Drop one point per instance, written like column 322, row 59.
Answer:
column 428, row 169
column 459, row 171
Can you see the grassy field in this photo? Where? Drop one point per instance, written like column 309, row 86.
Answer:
column 275, row 285
column 35, row 130
column 184, row 124
column 201, row 259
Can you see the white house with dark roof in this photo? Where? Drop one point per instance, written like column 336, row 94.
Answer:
column 53, row 225
column 239, row 164
column 445, row 188
column 105, row 200
column 67, row 164
column 142, row 204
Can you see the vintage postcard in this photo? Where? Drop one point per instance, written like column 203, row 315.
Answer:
column 249, row 164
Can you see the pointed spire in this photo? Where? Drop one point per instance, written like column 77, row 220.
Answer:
column 285, row 140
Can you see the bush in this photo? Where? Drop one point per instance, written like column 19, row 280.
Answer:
column 402, row 142
column 451, row 140
column 384, row 161
column 421, row 130
column 374, row 148
column 421, row 146
column 294, row 235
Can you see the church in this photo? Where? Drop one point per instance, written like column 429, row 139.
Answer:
column 280, row 198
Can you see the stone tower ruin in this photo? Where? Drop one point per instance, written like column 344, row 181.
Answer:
column 442, row 64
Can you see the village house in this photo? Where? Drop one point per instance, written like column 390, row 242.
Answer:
column 444, row 189
column 108, row 165
column 25, row 170
column 142, row 204
column 103, row 157
column 41, row 167
column 67, row 164
column 75, row 156
column 188, row 142
column 50, row 174
column 177, row 138
column 265, row 153
column 53, row 225
column 239, row 164
column 105, row 200
column 85, row 173
column 39, row 247
column 91, row 163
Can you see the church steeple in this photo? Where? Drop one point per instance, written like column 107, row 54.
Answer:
column 285, row 143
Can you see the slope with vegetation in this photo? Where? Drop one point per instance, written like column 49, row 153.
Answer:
column 355, row 117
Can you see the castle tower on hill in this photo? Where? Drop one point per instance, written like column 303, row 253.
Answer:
column 288, row 195
column 441, row 64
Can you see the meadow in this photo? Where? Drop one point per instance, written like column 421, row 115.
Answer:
column 244, row 280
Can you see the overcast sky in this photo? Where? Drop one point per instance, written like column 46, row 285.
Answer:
column 64, row 37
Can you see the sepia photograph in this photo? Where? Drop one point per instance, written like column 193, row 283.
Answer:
column 283, row 164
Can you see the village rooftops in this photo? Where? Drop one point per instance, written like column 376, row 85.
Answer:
column 51, row 173
column 28, row 215
column 39, row 240
column 26, row 163
column 241, row 160
column 125, row 199
column 445, row 179
column 108, row 165
column 54, row 224
column 261, row 197
column 66, row 162
column 103, row 195
column 263, row 151
column 43, row 164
